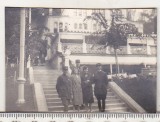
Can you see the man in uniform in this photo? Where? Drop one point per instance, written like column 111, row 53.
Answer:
column 100, row 89
column 63, row 87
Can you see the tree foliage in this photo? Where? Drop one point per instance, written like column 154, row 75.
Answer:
column 115, row 34
column 35, row 40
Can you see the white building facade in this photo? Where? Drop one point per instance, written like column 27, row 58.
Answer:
column 72, row 31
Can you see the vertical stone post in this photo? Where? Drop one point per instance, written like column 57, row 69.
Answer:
column 21, row 79
column 148, row 48
column 59, row 48
column 128, row 48
column 29, row 62
column 107, row 50
column 30, row 18
column 66, row 57
column 49, row 49
column 111, row 69
column 84, row 45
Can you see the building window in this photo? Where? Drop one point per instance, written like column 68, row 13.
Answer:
column 85, row 26
column 66, row 27
column 75, row 25
column 94, row 27
column 80, row 26
column 60, row 27
column 55, row 27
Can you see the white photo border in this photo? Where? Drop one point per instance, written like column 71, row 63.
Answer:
column 68, row 4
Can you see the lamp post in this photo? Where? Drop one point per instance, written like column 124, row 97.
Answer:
column 21, row 80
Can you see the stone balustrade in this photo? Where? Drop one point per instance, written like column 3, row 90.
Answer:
column 76, row 48
column 73, row 47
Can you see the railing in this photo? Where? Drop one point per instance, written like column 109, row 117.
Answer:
column 121, row 50
column 138, row 50
column 100, row 49
column 74, row 48
column 96, row 49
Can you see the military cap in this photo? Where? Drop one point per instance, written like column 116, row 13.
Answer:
column 65, row 68
column 77, row 61
column 98, row 64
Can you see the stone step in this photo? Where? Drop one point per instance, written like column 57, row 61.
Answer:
column 48, row 73
column 53, row 90
column 56, row 95
column 57, row 99
column 95, row 101
column 112, row 109
column 48, row 79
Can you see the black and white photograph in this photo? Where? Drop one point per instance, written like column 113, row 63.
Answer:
column 83, row 60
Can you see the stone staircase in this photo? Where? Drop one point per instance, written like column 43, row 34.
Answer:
column 48, row 77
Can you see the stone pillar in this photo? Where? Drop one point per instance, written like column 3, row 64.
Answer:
column 59, row 45
column 148, row 50
column 49, row 49
column 84, row 45
column 50, row 11
column 50, row 24
column 66, row 57
column 29, row 62
column 128, row 49
column 111, row 69
column 30, row 18
column 21, row 79
column 107, row 50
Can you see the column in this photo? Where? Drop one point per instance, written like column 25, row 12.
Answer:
column 50, row 11
column 148, row 50
column 67, row 53
column 50, row 24
column 21, row 80
column 107, row 50
column 59, row 48
column 29, row 62
column 128, row 49
column 49, row 49
column 30, row 18
column 111, row 69
column 84, row 46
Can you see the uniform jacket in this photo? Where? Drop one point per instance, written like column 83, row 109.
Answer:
column 100, row 80
column 63, row 86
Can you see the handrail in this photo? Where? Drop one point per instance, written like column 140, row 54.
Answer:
column 39, row 98
column 38, row 93
column 126, row 98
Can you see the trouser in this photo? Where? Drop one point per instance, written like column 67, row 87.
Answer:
column 65, row 103
column 101, row 102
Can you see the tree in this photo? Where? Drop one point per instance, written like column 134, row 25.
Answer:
column 36, row 32
column 150, row 21
column 36, row 39
column 115, row 34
